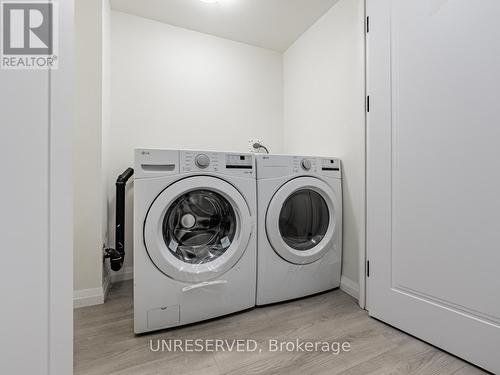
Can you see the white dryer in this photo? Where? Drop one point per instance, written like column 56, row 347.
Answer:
column 194, row 236
column 299, row 226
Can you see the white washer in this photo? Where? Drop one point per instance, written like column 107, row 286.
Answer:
column 299, row 226
column 194, row 236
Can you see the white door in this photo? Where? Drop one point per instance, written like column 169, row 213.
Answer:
column 433, row 153
column 194, row 229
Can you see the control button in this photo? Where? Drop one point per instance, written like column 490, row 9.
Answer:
column 202, row 161
column 306, row 164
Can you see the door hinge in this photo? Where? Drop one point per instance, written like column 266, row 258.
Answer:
column 367, row 268
column 368, row 103
column 367, row 24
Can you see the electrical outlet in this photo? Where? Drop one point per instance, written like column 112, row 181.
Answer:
column 251, row 142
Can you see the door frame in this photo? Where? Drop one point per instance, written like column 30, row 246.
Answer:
column 60, row 218
column 362, row 256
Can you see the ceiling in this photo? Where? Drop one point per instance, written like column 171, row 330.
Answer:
column 272, row 24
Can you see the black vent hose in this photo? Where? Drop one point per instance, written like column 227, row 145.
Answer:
column 117, row 255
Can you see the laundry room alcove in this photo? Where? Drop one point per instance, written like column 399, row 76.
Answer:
column 183, row 74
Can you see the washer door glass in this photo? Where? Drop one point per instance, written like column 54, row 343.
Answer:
column 199, row 226
column 304, row 219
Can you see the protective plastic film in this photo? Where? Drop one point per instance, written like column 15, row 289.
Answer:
column 199, row 226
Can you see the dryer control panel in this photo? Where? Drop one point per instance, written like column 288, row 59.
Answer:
column 305, row 164
column 315, row 165
column 272, row 166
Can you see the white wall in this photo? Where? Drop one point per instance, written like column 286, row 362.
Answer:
column 87, row 161
column 175, row 88
column 324, row 109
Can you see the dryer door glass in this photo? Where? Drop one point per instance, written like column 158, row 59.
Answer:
column 304, row 219
column 199, row 226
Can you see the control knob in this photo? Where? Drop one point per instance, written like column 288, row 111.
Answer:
column 306, row 164
column 202, row 161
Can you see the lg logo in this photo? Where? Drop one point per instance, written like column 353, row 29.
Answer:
column 29, row 34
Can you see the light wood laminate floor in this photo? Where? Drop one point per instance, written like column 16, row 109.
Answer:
column 105, row 342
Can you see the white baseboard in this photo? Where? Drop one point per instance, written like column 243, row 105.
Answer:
column 124, row 274
column 91, row 297
column 350, row 287
column 88, row 297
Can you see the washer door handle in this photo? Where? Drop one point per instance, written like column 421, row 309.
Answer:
column 203, row 284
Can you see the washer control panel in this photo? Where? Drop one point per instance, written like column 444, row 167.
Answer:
column 330, row 164
column 192, row 161
column 206, row 161
column 239, row 161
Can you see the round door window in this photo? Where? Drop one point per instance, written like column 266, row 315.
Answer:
column 199, row 226
column 304, row 219
column 193, row 230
